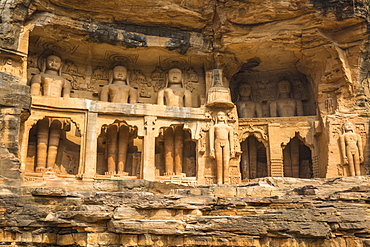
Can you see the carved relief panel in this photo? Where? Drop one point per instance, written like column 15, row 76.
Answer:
column 11, row 65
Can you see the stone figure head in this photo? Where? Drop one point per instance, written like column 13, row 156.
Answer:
column 245, row 90
column 348, row 126
column 221, row 116
column 284, row 87
column 119, row 73
column 8, row 61
column 53, row 62
column 175, row 76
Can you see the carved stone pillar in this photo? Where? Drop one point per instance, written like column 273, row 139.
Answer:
column 91, row 145
column 148, row 171
column 276, row 154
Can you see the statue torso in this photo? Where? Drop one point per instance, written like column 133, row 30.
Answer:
column 174, row 96
column 246, row 109
column 119, row 93
column 222, row 131
column 52, row 85
column 351, row 140
column 286, row 107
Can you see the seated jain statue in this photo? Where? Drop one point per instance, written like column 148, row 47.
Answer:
column 118, row 90
column 246, row 107
column 351, row 147
column 174, row 94
column 221, row 139
column 285, row 105
column 50, row 82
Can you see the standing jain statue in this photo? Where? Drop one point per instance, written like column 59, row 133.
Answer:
column 50, row 82
column 118, row 90
column 246, row 107
column 221, row 138
column 285, row 105
column 351, row 147
column 174, row 94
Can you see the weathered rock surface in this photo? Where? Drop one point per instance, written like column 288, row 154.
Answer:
column 264, row 212
column 325, row 40
column 14, row 105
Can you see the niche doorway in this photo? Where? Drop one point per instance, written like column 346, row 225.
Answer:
column 253, row 162
column 297, row 160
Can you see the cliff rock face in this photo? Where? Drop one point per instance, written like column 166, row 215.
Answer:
column 14, row 105
column 163, row 191
column 264, row 212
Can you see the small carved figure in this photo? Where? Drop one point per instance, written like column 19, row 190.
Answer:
column 8, row 66
column 329, row 104
column 158, row 78
column 175, row 94
column 221, row 147
column 246, row 107
column 191, row 78
column 138, row 80
column 50, row 82
column 351, row 147
column 285, row 105
column 118, row 90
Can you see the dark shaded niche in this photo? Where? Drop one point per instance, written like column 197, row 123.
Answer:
column 297, row 160
column 342, row 9
column 53, row 146
column 263, row 91
column 253, row 162
column 175, row 152
column 119, row 150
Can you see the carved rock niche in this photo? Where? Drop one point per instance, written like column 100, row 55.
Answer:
column 54, row 147
column 256, row 94
column 119, row 151
column 88, row 66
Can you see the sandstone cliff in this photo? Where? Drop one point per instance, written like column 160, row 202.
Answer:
column 264, row 212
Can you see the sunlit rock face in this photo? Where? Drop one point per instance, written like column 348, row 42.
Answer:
column 184, row 123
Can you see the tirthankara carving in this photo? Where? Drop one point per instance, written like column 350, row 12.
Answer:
column 285, row 106
column 49, row 82
column 118, row 90
column 351, row 147
column 221, row 139
column 246, row 107
column 175, row 94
